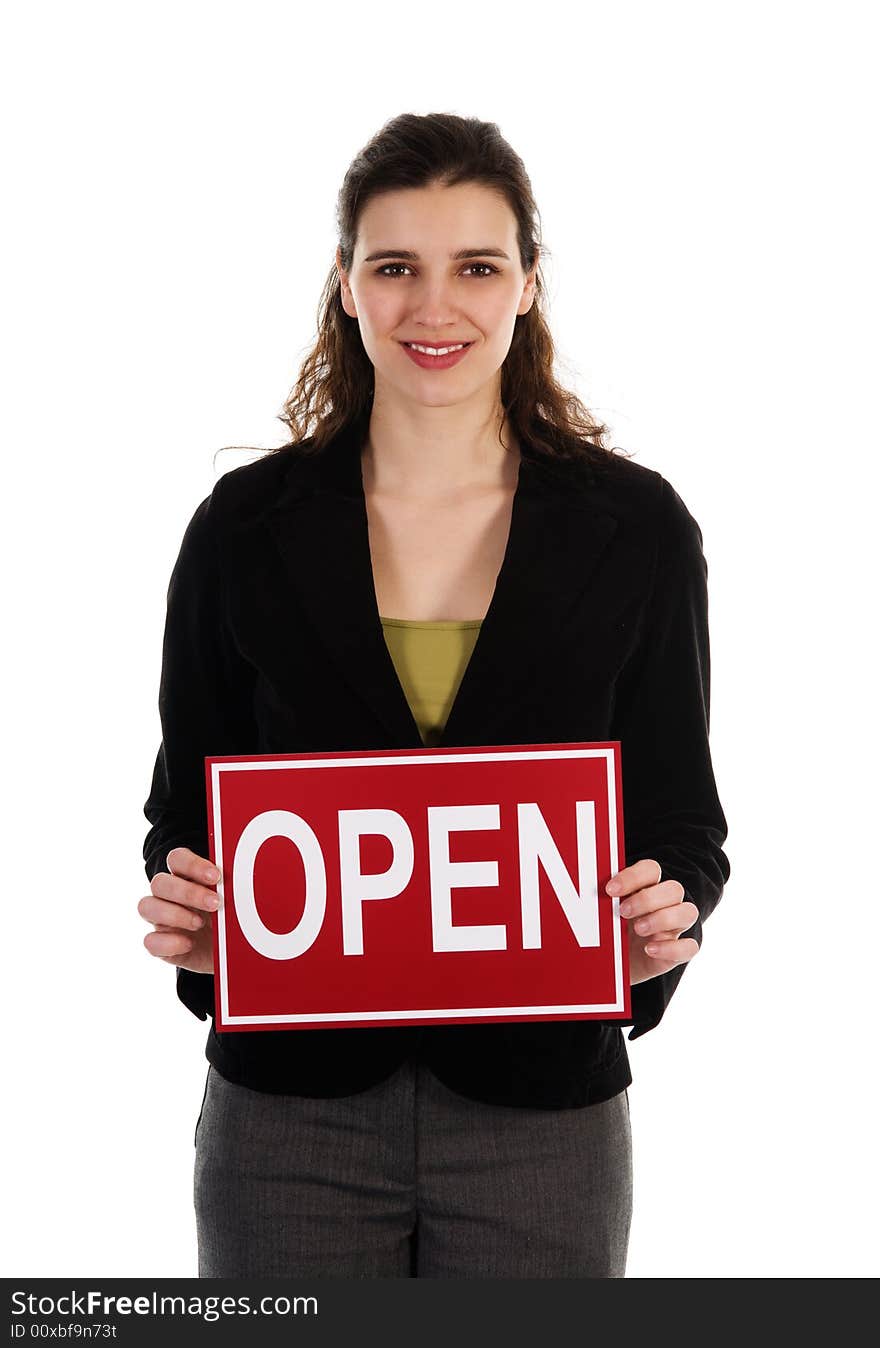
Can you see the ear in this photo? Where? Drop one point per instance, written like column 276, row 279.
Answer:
column 528, row 294
column 346, row 296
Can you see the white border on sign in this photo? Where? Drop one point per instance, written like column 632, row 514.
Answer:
column 434, row 1013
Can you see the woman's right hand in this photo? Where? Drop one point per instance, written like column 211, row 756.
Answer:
column 179, row 907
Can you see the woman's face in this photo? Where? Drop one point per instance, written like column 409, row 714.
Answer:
column 433, row 297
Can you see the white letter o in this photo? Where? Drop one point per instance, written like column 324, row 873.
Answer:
column 272, row 944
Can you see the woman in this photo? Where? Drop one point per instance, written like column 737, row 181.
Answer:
column 452, row 556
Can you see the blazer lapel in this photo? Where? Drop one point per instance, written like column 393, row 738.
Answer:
column 557, row 535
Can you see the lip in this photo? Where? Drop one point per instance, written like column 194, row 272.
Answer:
column 436, row 362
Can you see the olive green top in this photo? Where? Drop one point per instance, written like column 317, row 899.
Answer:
column 430, row 659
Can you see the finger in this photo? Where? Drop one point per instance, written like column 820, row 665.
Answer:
column 188, row 864
column 675, row 917
column 672, row 952
column 187, row 893
column 161, row 913
column 165, row 943
column 651, row 898
column 637, row 876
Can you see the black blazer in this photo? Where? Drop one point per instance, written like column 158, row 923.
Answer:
column 597, row 630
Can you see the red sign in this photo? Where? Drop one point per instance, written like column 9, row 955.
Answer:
column 418, row 886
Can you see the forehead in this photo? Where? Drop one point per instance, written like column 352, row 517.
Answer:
column 436, row 219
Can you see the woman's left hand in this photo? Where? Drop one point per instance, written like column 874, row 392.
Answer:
column 657, row 916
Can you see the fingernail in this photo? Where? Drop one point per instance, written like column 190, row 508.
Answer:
column 214, row 901
column 625, row 909
column 613, row 887
column 212, row 875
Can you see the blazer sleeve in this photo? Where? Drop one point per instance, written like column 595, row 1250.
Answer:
column 205, row 708
column 672, row 812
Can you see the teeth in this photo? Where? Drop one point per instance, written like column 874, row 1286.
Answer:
column 436, row 350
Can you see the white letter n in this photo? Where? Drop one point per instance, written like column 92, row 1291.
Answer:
column 581, row 905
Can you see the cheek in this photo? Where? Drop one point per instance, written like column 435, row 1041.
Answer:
column 380, row 312
column 499, row 314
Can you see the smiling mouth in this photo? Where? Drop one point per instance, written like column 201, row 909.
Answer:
column 436, row 350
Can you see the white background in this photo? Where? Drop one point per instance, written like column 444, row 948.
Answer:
column 704, row 175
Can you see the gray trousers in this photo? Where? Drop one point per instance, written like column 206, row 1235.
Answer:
column 409, row 1179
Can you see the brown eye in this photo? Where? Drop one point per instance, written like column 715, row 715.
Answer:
column 386, row 268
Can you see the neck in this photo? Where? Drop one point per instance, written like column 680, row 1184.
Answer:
column 436, row 452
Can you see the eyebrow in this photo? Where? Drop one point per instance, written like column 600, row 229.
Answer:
column 455, row 257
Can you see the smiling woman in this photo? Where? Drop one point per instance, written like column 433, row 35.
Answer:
column 444, row 552
column 438, row 244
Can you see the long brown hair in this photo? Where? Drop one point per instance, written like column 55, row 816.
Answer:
column 336, row 380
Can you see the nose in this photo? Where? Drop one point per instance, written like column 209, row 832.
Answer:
column 432, row 305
